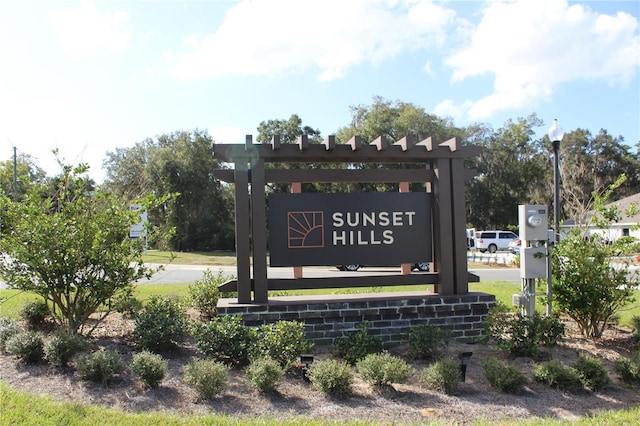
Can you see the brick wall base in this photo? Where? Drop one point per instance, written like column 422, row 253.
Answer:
column 389, row 315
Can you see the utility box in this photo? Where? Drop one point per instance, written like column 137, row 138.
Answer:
column 533, row 262
column 532, row 223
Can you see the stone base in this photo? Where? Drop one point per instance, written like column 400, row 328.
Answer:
column 389, row 315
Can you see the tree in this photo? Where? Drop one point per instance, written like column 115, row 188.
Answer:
column 18, row 175
column 72, row 248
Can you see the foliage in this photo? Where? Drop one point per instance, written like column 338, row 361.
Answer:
column 505, row 377
column 60, row 348
column 226, row 339
column 149, row 367
column 443, row 375
column 7, row 329
column 18, row 177
column 264, row 374
column 587, row 286
column 555, row 374
column 521, row 335
column 26, row 345
column 356, row 345
column 206, row 376
column 126, row 304
column 282, row 341
column 591, row 372
column 71, row 247
column 162, row 324
column 383, row 369
column 635, row 326
column 99, row 366
column 34, row 313
column 628, row 368
column 425, row 341
column 331, row 377
column 204, row 293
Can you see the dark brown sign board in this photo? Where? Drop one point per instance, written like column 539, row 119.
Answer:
column 355, row 228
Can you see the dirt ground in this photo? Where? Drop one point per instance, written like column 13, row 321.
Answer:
column 408, row 403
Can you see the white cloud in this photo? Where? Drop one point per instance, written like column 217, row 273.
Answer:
column 530, row 46
column 84, row 30
column 286, row 36
column 226, row 134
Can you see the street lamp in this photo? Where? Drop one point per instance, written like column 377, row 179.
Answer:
column 555, row 135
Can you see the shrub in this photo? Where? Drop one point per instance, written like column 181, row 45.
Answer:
column 521, row 335
column 443, row 375
column 555, row 374
column 226, row 339
column 162, row 324
column 204, row 293
column 426, row 341
column 149, row 367
column 331, row 377
column 126, row 304
column 207, row 377
column 26, row 345
column 635, row 326
column 591, row 373
column 282, row 341
column 628, row 368
column 504, row 377
column 7, row 329
column 264, row 374
column 34, row 313
column 60, row 348
column 356, row 345
column 383, row 369
column 99, row 366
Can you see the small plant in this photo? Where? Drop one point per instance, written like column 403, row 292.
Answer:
column 149, row 367
column 7, row 329
column 226, row 339
column 426, row 341
column 34, row 313
column 356, row 345
column 207, row 377
column 628, row 368
column 99, row 366
column 162, row 324
column 443, row 375
column 26, row 345
column 331, row 377
column 127, row 304
column 282, row 341
column 61, row 347
column 521, row 335
column 591, row 373
column 264, row 374
column 555, row 374
column 383, row 369
column 204, row 293
column 504, row 377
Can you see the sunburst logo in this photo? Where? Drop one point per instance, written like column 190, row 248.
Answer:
column 305, row 229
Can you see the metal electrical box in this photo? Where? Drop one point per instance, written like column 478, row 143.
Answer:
column 532, row 223
column 533, row 262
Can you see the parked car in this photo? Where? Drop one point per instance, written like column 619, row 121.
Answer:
column 494, row 240
column 420, row 266
column 514, row 245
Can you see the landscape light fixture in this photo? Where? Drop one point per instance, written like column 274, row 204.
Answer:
column 464, row 357
column 305, row 361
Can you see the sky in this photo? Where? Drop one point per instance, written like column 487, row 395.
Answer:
column 88, row 77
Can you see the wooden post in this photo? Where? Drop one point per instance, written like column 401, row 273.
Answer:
column 405, row 267
column 259, row 233
column 296, row 188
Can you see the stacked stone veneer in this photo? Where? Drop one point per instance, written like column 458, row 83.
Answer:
column 389, row 315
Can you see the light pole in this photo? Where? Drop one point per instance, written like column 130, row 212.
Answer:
column 555, row 135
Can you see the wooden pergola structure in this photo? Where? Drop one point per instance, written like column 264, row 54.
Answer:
column 443, row 172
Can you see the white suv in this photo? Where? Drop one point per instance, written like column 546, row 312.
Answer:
column 494, row 240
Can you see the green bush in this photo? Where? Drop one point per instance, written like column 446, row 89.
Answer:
column 162, row 325
column 61, row 347
column 8, row 328
column 282, row 341
column 628, row 368
column 127, row 304
column 635, row 326
column 426, row 341
column 331, row 377
column 34, row 313
column 504, row 377
column 443, row 375
column 358, row 344
column 204, row 293
column 591, row 372
column 555, row 374
column 149, row 367
column 226, row 339
column 206, row 376
column 26, row 345
column 99, row 366
column 383, row 369
column 264, row 374
column 521, row 335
